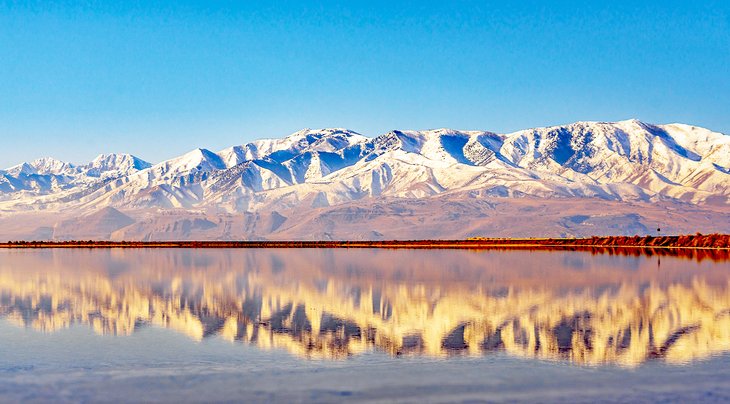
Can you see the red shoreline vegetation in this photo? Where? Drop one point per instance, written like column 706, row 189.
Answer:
column 695, row 241
column 690, row 253
column 709, row 241
column 697, row 247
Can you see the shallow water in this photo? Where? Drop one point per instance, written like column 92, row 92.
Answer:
column 372, row 325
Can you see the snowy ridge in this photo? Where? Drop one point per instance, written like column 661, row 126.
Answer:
column 47, row 175
column 626, row 161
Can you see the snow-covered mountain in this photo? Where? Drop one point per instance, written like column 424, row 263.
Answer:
column 312, row 172
column 48, row 175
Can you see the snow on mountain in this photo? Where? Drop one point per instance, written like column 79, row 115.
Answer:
column 41, row 166
column 621, row 162
column 20, row 169
column 50, row 176
column 629, row 161
column 115, row 163
column 325, row 140
column 198, row 161
column 672, row 160
column 41, row 176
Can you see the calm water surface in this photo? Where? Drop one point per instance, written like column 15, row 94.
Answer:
column 372, row 325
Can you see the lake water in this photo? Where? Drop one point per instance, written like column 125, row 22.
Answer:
column 331, row 325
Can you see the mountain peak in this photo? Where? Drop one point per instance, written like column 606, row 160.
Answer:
column 312, row 134
column 42, row 166
column 198, row 152
column 632, row 121
column 22, row 168
column 624, row 160
column 199, row 158
column 50, row 165
column 118, row 162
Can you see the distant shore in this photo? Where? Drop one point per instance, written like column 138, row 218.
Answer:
column 696, row 241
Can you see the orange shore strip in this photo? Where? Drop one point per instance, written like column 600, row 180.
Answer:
column 702, row 242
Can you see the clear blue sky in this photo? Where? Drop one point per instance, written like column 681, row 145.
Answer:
column 159, row 80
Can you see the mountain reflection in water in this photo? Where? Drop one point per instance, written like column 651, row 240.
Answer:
column 576, row 306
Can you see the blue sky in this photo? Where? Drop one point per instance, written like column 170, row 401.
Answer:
column 81, row 78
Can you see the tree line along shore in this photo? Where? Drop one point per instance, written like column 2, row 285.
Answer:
column 708, row 241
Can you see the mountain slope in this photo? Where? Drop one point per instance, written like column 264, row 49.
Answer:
column 624, row 163
column 48, row 175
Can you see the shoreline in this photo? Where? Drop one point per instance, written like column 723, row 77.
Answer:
column 716, row 242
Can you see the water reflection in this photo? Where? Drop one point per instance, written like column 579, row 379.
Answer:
column 576, row 306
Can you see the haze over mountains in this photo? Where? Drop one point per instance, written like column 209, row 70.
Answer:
column 586, row 178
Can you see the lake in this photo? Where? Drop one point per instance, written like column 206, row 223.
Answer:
column 331, row 325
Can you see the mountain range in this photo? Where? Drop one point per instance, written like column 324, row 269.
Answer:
column 585, row 178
